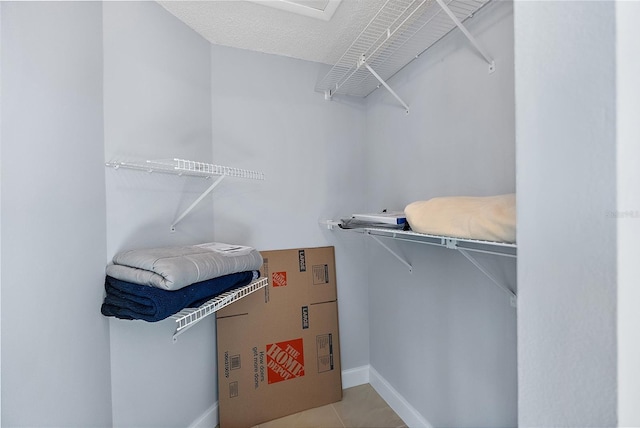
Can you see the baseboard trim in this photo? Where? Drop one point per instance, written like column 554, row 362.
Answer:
column 209, row 419
column 354, row 377
column 406, row 411
column 350, row 378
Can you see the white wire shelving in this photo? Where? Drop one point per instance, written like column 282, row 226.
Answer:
column 187, row 318
column 186, row 167
column 183, row 167
column 400, row 32
column 463, row 245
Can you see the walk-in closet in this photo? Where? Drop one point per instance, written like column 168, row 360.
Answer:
column 123, row 125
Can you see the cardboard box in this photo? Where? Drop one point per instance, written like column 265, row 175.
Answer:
column 279, row 350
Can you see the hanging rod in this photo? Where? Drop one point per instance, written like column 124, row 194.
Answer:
column 185, row 167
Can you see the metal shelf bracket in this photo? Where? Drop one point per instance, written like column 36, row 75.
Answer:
column 396, row 255
column 503, row 287
column 196, row 202
column 400, row 32
column 468, row 35
column 362, row 61
column 464, row 246
column 452, row 244
column 183, row 167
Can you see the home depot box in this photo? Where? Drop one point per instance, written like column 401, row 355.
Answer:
column 278, row 348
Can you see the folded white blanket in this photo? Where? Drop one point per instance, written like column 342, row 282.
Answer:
column 172, row 268
column 490, row 218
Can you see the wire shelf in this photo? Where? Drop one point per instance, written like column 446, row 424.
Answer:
column 462, row 245
column 189, row 317
column 399, row 33
column 187, row 167
column 506, row 249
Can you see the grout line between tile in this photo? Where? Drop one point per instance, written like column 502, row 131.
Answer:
column 338, row 415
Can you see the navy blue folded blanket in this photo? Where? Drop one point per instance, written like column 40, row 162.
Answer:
column 127, row 300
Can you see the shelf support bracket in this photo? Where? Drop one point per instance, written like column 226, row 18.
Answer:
column 482, row 269
column 196, row 202
column 362, row 62
column 474, row 42
column 396, row 255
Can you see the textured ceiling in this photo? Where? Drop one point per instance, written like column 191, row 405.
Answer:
column 255, row 26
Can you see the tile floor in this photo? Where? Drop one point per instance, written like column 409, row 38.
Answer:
column 361, row 406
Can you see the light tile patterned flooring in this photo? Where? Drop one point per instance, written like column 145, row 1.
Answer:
column 361, row 406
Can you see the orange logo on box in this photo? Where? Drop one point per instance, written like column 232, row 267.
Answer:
column 279, row 279
column 285, row 360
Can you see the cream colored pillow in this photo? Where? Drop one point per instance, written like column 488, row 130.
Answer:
column 488, row 218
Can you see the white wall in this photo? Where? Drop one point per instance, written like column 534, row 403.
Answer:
column 566, row 159
column 0, row 211
column 55, row 343
column 444, row 336
column 157, row 105
column 628, row 210
column 267, row 117
column 168, row 93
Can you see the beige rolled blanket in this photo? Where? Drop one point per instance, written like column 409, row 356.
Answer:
column 486, row 218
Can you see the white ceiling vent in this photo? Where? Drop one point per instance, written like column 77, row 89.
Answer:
column 319, row 9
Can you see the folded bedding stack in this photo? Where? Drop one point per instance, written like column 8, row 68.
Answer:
column 153, row 284
column 487, row 218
